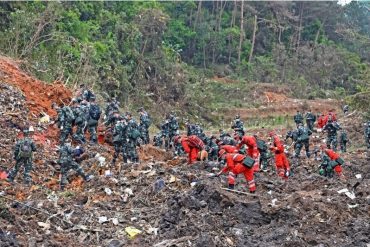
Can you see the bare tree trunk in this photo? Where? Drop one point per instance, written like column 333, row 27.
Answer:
column 241, row 31
column 232, row 24
column 253, row 39
column 300, row 27
column 197, row 17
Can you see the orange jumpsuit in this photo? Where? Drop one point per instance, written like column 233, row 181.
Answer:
column 234, row 166
column 321, row 122
column 253, row 152
column 281, row 161
column 229, row 148
column 191, row 149
column 334, row 156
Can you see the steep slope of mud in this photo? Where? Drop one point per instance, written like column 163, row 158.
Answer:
column 171, row 203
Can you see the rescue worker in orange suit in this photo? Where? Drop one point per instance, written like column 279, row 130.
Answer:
column 229, row 148
column 281, row 161
column 192, row 145
column 336, row 161
column 321, row 121
column 251, row 143
column 235, row 166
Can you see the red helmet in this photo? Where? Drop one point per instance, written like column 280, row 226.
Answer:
column 272, row 133
column 177, row 139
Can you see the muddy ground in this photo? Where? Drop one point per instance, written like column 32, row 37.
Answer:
column 171, row 203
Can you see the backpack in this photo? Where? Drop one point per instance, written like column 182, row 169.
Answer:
column 304, row 135
column 94, row 112
column 248, row 162
column 196, row 142
column 134, row 133
column 261, row 145
column 25, row 149
column 70, row 117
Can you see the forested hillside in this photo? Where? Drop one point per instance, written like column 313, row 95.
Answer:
column 167, row 52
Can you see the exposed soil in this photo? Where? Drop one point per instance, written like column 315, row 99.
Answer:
column 171, row 203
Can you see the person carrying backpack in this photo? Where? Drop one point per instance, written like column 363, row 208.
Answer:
column 23, row 153
column 145, row 122
column 133, row 134
column 92, row 123
column 67, row 155
column 303, row 139
column 265, row 155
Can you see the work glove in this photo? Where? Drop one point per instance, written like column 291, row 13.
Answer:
column 218, row 174
column 287, row 173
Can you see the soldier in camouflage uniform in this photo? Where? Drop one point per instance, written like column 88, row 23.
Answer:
column 298, row 118
column 173, row 126
column 119, row 139
column 145, row 122
column 303, row 139
column 92, row 123
column 343, row 139
column 332, row 140
column 133, row 134
column 226, row 139
column 23, row 156
column 238, row 126
column 211, row 148
column 310, row 120
column 265, row 155
column 65, row 122
column 367, row 134
column 66, row 160
column 190, row 128
column 165, row 134
column 112, row 107
column 80, row 121
column 325, row 168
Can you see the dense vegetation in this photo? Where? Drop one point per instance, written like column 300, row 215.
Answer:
column 166, row 52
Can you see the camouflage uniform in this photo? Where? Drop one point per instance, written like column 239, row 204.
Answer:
column 111, row 108
column 67, row 162
column 303, row 139
column 343, row 139
column 65, row 123
column 81, row 122
column 133, row 134
column 119, row 139
column 325, row 167
column 179, row 150
column 92, row 123
column 238, row 126
column 157, row 139
column 345, row 109
column 23, row 155
column 165, row 133
column 265, row 155
column 226, row 139
column 298, row 118
column 310, row 120
column 190, row 129
column 212, row 148
column 367, row 134
column 173, row 127
column 332, row 140
column 145, row 123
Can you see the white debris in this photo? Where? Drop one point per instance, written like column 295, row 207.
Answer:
column 103, row 219
column 358, row 176
column 108, row 191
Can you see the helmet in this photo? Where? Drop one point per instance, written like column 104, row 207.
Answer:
column 177, row 139
column 272, row 133
column 31, row 129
